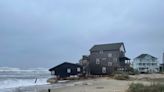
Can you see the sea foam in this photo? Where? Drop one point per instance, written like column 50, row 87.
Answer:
column 15, row 77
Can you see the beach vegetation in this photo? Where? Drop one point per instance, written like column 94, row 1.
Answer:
column 139, row 87
column 121, row 76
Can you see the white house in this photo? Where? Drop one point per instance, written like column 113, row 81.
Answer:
column 146, row 63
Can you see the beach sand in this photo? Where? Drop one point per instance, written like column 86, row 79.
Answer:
column 102, row 84
column 95, row 85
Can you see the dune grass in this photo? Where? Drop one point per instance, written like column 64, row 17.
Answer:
column 121, row 76
column 138, row 87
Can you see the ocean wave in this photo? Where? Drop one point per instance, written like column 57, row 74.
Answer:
column 15, row 77
column 23, row 70
column 12, row 83
column 16, row 71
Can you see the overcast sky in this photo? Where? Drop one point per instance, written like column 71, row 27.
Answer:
column 44, row 33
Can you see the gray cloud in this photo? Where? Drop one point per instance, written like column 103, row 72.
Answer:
column 45, row 33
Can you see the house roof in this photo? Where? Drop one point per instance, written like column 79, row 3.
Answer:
column 124, row 58
column 65, row 63
column 111, row 46
column 144, row 55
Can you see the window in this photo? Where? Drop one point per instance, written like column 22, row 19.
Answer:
column 68, row 70
column 120, row 69
column 122, row 48
column 157, row 69
column 103, row 69
column 109, row 63
column 154, row 63
column 141, row 68
column 115, row 59
column 104, row 59
column 101, row 52
column 53, row 72
column 78, row 69
column 139, row 63
column 109, row 54
column 97, row 61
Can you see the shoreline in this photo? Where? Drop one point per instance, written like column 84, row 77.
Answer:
column 33, row 88
column 105, row 84
column 101, row 84
column 93, row 85
column 40, row 87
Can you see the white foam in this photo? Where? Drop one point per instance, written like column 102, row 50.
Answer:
column 15, row 77
column 19, row 83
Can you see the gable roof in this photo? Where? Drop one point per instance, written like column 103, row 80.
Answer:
column 144, row 55
column 111, row 46
column 65, row 63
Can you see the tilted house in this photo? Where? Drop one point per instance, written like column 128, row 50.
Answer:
column 104, row 59
column 146, row 63
column 66, row 70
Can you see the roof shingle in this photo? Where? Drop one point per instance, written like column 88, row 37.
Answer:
column 111, row 46
column 144, row 55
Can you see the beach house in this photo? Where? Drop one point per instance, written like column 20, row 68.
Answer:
column 104, row 59
column 84, row 62
column 66, row 69
column 146, row 63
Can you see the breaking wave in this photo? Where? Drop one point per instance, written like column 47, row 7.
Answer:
column 15, row 77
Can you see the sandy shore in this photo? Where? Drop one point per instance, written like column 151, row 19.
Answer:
column 95, row 85
column 104, row 84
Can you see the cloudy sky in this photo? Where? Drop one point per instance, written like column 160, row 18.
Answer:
column 44, row 33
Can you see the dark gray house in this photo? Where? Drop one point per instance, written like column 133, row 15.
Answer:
column 66, row 70
column 104, row 59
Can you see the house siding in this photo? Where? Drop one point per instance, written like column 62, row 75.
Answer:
column 96, row 69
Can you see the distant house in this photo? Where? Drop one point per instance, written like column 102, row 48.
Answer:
column 84, row 62
column 161, row 67
column 104, row 59
column 66, row 70
column 146, row 63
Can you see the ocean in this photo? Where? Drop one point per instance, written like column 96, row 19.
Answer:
column 12, row 78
